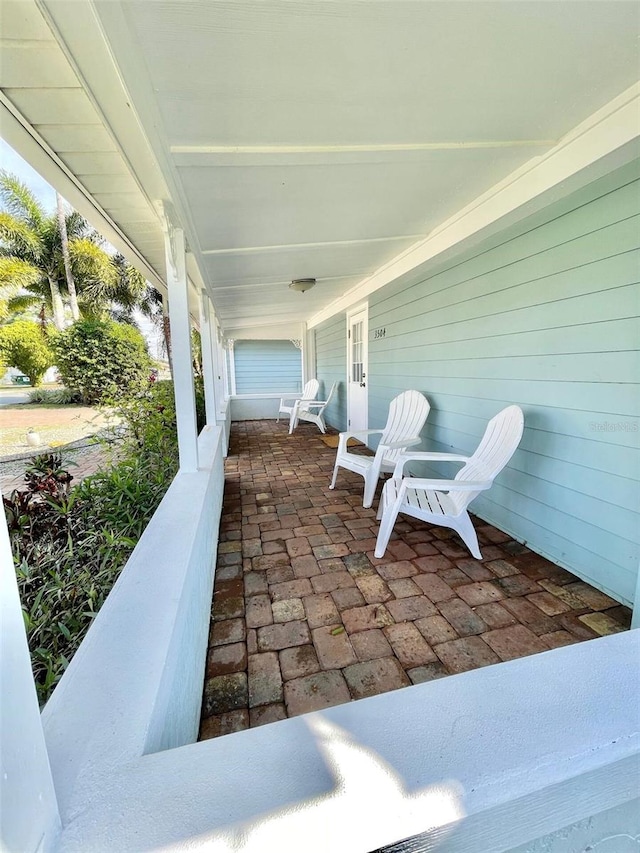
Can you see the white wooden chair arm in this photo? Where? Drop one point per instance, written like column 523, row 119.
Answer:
column 309, row 403
column 425, row 456
column 436, row 457
column 345, row 436
column 361, row 432
column 295, row 399
column 397, row 445
column 445, row 485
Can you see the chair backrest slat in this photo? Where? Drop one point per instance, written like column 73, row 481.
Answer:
column 310, row 390
column 497, row 446
column 320, row 409
column 407, row 415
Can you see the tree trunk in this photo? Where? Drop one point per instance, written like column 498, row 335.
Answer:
column 56, row 303
column 64, row 240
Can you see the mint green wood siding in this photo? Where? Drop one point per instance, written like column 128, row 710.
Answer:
column 544, row 315
column 267, row 366
column 331, row 366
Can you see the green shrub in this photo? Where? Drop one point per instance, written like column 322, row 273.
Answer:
column 103, row 360
column 71, row 542
column 23, row 345
column 55, row 396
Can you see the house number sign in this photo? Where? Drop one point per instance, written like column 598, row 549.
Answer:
column 379, row 333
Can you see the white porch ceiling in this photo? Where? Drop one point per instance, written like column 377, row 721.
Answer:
column 303, row 139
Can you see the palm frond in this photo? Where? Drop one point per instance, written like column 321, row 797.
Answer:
column 18, row 200
column 124, row 315
column 77, row 226
column 16, row 273
column 24, row 301
column 17, row 236
column 92, row 268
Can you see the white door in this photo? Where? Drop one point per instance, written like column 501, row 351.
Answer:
column 357, row 350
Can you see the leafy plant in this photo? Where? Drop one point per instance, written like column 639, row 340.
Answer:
column 23, row 345
column 102, row 360
column 70, row 542
column 55, row 396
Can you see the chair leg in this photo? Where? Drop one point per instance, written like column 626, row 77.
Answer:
column 293, row 422
column 464, row 527
column 370, row 483
column 323, row 428
column 335, row 475
column 389, row 516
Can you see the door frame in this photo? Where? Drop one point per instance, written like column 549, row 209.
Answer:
column 362, row 308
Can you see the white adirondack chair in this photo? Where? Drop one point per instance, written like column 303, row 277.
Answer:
column 312, row 411
column 445, row 502
column 288, row 404
column 407, row 414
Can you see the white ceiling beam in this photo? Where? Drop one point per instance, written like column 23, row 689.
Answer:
column 246, row 250
column 356, row 149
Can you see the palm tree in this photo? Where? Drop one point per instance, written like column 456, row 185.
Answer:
column 66, row 258
column 28, row 243
column 44, row 257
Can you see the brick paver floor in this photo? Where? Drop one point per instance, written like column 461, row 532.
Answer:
column 305, row 617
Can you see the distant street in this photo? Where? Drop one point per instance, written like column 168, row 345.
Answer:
column 12, row 396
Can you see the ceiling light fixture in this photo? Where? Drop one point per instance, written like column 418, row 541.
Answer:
column 302, row 284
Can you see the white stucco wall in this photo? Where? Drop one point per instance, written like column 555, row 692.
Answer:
column 251, row 407
column 485, row 761
column 135, row 683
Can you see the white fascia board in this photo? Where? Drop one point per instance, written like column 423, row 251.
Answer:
column 613, row 128
column 24, row 139
column 79, row 31
column 99, row 43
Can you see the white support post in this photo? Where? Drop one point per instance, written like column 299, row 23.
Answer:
column 308, row 354
column 232, row 367
column 208, row 359
column 224, row 360
column 181, row 349
column 221, row 370
column 29, row 817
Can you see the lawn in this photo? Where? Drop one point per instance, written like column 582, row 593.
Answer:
column 56, row 425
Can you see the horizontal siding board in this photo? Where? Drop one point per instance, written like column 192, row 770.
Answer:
column 540, row 456
column 266, row 366
column 620, row 552
column 616, row 399
column 618, row 303
column 600, row 571
column 617, row 271
column 544, row 316
column 612, row 336
column 331, row 366
column 620, row 367
column 507, row 290
column 505, row 498
column 521, row 260
column 550, row 425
